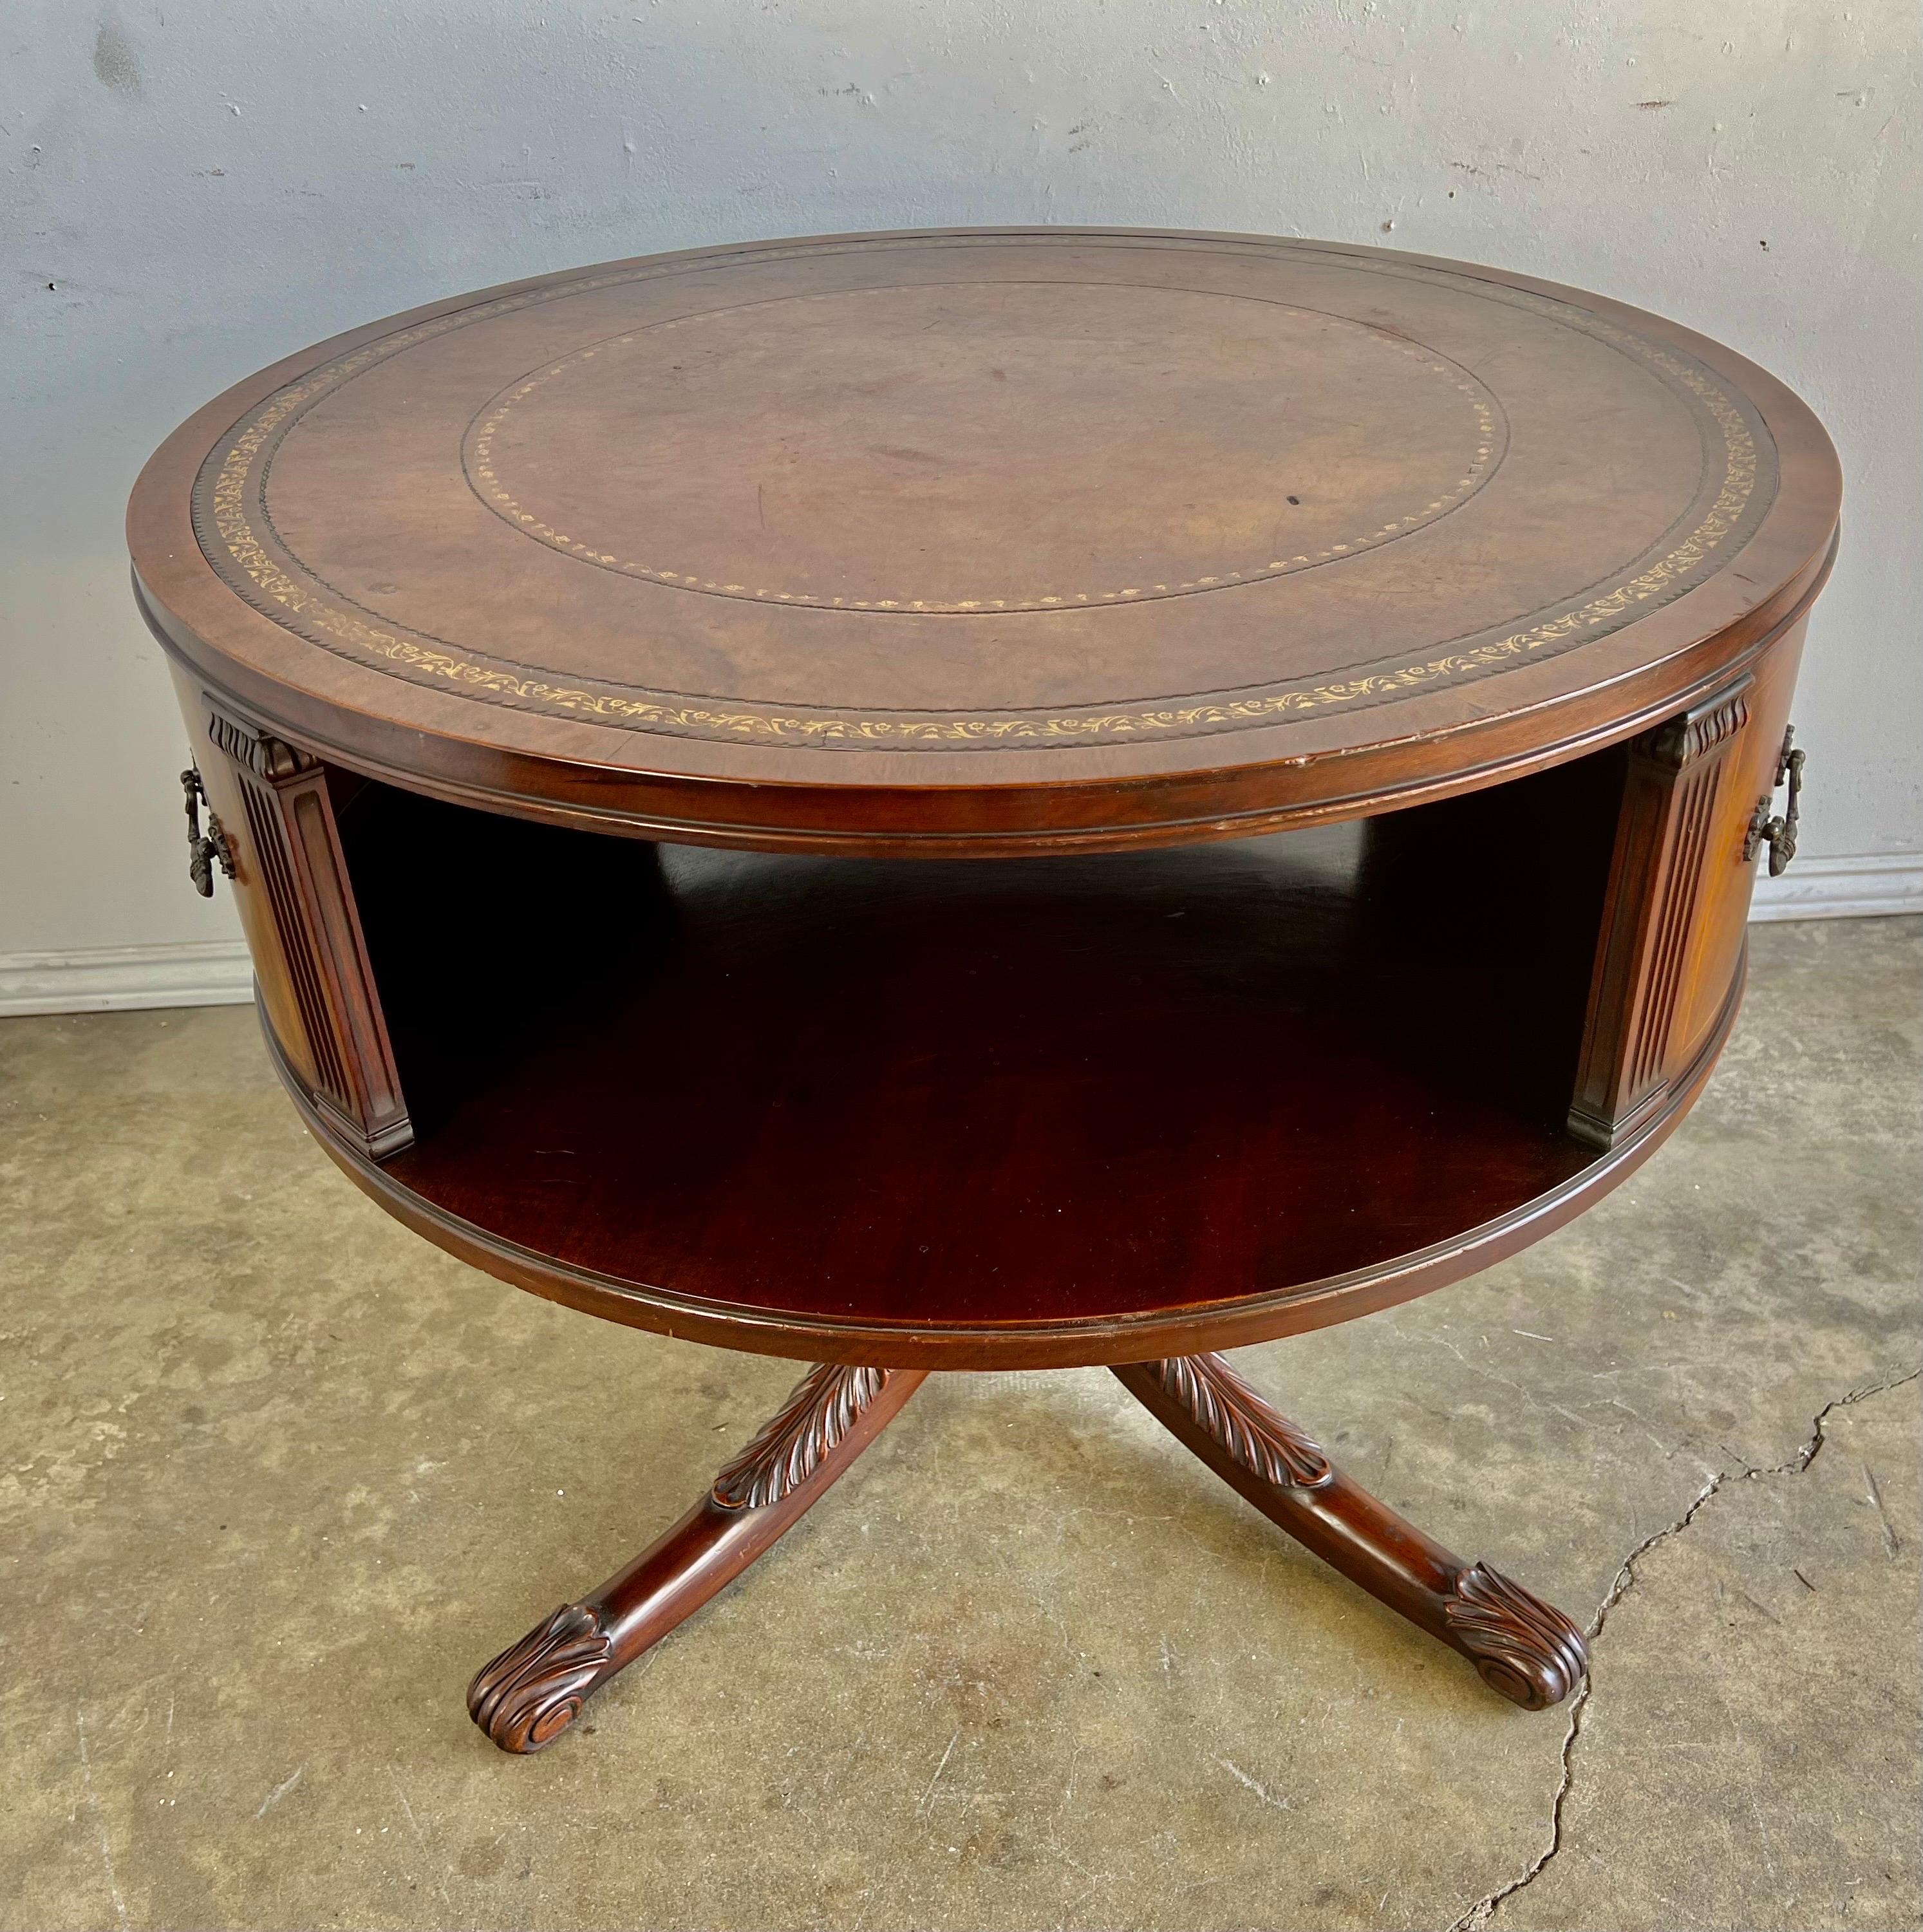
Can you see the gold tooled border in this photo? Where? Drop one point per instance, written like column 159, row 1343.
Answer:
column 243, row 545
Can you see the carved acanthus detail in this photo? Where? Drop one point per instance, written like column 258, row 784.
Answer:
column 821, row 1411
column 529, row 1694
column 1684, row 739
column 265, row 756
column 1250, row 1432
column 1521, row 1646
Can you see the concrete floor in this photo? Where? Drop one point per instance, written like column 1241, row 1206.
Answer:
column 275, row 1476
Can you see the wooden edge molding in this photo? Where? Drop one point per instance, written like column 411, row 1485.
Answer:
column 1042, row 815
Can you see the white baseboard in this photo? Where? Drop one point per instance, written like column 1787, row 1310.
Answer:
column 103, row 979
column 1850, row 887
column 216, row 973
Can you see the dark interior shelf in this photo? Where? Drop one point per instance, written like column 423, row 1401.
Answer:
column 988, row 1091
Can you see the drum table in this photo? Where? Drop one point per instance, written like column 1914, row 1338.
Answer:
column 994, row 798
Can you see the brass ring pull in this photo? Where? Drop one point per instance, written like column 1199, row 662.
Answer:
column 1779, row 833
column 204, row 850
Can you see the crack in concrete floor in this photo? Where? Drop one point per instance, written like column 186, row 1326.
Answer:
column 1480, row 1914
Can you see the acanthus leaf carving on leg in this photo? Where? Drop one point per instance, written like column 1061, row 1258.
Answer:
column 1249, row 1431
column 1523, row 1648
column 820, row 1412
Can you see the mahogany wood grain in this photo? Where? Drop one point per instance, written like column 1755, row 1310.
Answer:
column 1731, row 869
column 1664, row 847
column 1015, row 1096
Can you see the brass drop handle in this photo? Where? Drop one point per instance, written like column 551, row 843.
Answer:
column 205, row 851
column 1779, row 834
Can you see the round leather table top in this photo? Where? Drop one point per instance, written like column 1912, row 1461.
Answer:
column 984, row 539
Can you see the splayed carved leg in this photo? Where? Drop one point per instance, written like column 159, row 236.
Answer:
column 529, row 1694
column 1521, row 1646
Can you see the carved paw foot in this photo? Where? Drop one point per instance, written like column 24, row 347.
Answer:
column 529, row 1694
column 1521, row 1646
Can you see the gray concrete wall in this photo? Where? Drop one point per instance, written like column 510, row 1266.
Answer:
column 193, row 189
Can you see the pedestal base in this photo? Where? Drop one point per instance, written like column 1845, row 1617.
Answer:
column 1522, row 1647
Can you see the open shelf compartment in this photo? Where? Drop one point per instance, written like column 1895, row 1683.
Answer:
column 985, row 1092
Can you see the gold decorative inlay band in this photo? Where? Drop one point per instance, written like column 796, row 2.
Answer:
column 349, row 632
